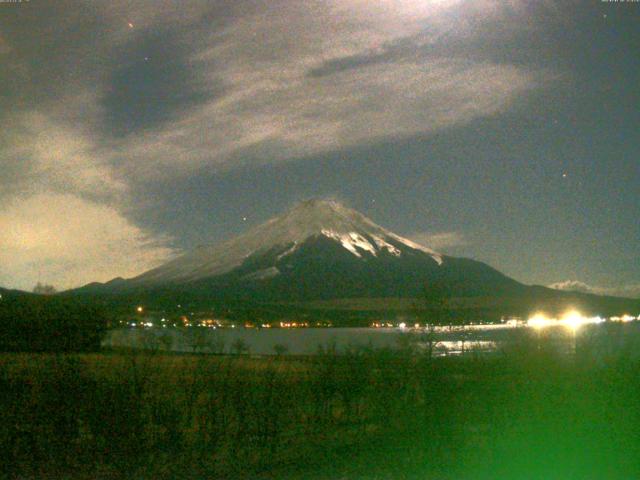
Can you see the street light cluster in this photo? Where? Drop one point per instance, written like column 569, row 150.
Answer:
column 572, row 319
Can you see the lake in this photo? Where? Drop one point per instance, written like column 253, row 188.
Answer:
column 602, row 340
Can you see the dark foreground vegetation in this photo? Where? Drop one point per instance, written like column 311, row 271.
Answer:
column 44, row 323
column 524, row 414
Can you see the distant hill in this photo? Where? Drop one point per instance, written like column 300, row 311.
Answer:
column 7, row 293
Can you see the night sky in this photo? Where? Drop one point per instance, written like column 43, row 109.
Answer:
column 505, row 131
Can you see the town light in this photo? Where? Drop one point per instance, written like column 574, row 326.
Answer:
column 573, row 319
column 539, row 320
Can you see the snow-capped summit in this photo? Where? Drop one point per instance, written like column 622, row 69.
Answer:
column 286, row 234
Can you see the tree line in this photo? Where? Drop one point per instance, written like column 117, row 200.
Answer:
column 34, row 323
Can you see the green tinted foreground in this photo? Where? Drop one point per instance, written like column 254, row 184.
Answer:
column 525, row 414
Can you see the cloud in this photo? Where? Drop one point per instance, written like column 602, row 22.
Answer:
column 227, row 81
column 62, row 220
column 310, row 80
column 277, row 116
column 249, row 84
column 66, row 241
column 46, row 154
column 572, row 286
column 630, row 291
column 439, row 241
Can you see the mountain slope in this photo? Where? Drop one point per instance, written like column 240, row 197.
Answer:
column 284, row 235
column 321, row 268
column 317, row 250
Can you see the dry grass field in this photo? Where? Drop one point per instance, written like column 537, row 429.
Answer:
column 527, row 413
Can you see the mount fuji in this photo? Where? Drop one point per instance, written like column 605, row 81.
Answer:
column 321, row 251
column 271, row 249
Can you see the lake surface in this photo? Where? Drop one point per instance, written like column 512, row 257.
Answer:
column 602, row 340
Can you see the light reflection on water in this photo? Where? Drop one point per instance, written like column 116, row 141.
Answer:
column 601, row 339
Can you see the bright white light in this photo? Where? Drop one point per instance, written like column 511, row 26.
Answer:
column 539, row 320
column 573, row 319
column 624, row 318
column 402, row 325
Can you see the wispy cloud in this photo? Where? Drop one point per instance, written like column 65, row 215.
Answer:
column 281, row 81
column 53, row 155
column 630, row 290
column 440, row 241
column 312, row 79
